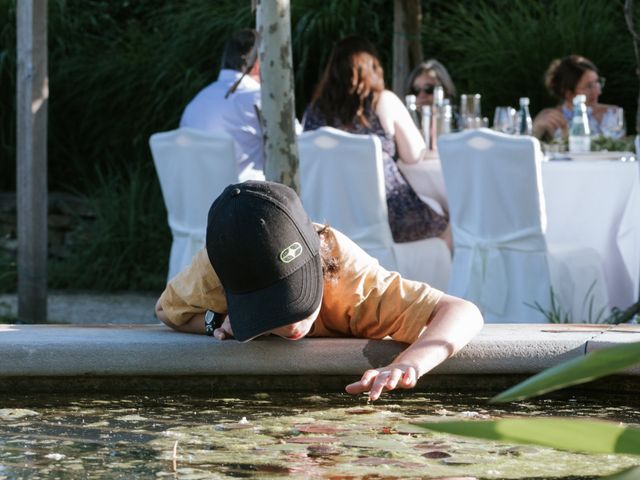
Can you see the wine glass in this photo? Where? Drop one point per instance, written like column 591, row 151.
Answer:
column 504, row 119
column 612, row 123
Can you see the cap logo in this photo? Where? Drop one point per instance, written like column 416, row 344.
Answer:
column 290, row 253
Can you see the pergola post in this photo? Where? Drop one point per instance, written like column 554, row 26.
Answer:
column 31, row 185
column 407, row 47
column 277, row 93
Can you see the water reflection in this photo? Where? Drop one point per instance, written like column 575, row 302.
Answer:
column 278, row 435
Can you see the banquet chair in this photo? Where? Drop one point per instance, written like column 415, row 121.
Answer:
column 502, row 260
column 193, row 168
column 342, row 185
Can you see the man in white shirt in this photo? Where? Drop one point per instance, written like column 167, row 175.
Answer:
column 229, row 104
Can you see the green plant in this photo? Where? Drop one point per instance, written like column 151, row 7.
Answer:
column 569, row 434
column 600, row 142
column 557, row 314
column 6, row 315
column 127, row 245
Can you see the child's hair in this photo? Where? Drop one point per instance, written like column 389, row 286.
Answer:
column 330, row 265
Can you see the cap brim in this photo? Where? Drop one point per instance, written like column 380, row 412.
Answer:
column 283, row 303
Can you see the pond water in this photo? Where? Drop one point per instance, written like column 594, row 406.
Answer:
column 284, row 435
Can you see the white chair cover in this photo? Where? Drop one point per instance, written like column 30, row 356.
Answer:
column 501, row 260
column 193, row 168
column 342, row 184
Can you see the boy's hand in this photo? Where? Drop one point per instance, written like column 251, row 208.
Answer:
column 224, row 332
column 376, row 381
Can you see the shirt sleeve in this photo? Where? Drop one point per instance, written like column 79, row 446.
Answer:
column 194, row 290
column 368, row 301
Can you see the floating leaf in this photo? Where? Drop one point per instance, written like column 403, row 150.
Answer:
column 322, row 450
column 579, row 435
column 436, row 454
column 318, row 428
column 594, row 365
column 360, row 411
column 303, row 439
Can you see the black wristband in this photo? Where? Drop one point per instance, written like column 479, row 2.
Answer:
column 212, row 320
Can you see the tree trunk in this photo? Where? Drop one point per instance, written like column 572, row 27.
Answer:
column 407, row 46
column 32, row 92
column 277, row 92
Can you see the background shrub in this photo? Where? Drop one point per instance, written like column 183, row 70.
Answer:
column 122, row 70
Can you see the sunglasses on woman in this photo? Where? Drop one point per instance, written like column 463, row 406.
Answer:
column 428, row 89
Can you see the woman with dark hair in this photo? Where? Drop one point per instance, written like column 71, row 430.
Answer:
column 424, row 78
column 351, row 97
column 565, row 78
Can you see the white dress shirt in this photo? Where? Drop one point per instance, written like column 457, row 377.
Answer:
column 236, row 115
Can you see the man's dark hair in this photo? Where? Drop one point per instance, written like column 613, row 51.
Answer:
column 241, row 50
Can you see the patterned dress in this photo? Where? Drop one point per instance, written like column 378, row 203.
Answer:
column 410, row 218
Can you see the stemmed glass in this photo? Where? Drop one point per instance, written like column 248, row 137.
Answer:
column 612, row 123
column 504, row 119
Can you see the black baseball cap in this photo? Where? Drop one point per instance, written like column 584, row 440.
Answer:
column 266, row 253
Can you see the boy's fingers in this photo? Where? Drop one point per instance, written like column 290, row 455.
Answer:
column 394, row 377
column 408, row 379
column 364, row 383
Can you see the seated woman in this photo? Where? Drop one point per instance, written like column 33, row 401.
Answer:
column 351, row 97
column 424, row 78
column 565, row 78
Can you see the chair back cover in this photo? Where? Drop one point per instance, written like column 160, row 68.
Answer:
column 342, row 184
column 497, row 216
column 193, row 168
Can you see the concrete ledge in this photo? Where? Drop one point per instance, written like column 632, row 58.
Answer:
column 46, row 357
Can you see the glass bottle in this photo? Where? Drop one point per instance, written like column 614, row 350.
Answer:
column 410, row 102
column 524, row 124
column 427, row 125
column 579, row 132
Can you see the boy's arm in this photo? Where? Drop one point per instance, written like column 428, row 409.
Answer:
column 453, row 324
column 194, row 325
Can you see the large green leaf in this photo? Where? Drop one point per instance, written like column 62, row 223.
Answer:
column 580, row 435
column 632, row 473
column 580, row 370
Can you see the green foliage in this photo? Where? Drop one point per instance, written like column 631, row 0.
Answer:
column 555, row 313
column 596, row 364
column 127, row 245
column 577, row 435
column 8, row 273
column 602, row 143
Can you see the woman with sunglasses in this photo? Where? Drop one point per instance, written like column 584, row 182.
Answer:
column 424, row 78
column 565, row 78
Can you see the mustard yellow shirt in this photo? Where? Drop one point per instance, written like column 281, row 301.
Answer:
column 364, row 301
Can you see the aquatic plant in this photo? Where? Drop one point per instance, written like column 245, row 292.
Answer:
column 585, row 435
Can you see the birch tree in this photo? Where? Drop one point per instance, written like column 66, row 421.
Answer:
column 277, row 92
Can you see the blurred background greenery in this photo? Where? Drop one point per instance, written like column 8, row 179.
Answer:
column 121, row 70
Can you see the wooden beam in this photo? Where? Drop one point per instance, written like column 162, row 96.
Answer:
column 32, row 98
column 400, row 48
column 407, row 41
column 277, row 92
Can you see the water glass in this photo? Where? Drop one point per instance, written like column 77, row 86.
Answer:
column 612, row 124
column 504, row 120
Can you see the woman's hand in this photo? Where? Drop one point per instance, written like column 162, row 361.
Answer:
column 376, row 381
column 547, row 122
column 224, row 332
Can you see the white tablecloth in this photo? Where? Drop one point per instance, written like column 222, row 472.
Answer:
column 589, row 203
